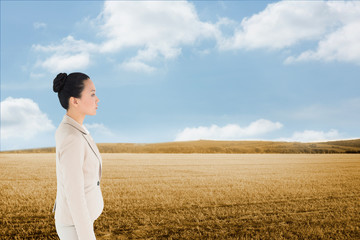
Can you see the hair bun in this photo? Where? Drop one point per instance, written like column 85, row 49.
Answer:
column 59, row 82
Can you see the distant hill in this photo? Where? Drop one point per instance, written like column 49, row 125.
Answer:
column 208, row 146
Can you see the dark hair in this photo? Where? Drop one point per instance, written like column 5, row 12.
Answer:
column 69, row 86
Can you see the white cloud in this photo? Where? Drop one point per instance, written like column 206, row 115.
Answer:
column 65, row 62
column 39, row 25
column 281, row 25
column 158, row 30
column 341, row 45
column 21, row 118
column 70, row 54
column 160, row 25
column 68, row 45
column 229, row 132
column 137, row 66
column 34, row 75
column 333, row 25
column 101, row 133
column 313, row 136
column 98, row 128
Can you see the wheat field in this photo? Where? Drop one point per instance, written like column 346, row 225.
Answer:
column 195, row 196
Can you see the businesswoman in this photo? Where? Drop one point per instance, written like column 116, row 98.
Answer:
column 79, row 200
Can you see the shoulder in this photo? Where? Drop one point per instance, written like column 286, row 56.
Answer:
column 68, row 134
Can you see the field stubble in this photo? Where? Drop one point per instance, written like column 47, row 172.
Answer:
column 194, row 196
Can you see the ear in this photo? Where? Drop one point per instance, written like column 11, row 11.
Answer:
column 73, row 101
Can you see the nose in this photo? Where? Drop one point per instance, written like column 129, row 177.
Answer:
column 97, row 100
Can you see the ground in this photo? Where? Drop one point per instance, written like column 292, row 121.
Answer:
column 195, row 196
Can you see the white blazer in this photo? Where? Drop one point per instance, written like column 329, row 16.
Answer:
column 79, row 200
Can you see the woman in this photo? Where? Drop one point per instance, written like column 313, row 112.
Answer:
column 79, row 200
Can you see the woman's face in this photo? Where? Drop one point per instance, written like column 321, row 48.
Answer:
column 88, row 102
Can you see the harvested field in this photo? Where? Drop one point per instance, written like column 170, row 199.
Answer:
column 195, row 196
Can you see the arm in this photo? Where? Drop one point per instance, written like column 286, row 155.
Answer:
column 71, row 164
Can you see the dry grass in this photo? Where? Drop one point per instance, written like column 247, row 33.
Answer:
column 208, row 146
column 195, row 196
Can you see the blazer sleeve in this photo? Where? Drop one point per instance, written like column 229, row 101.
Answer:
column 71, row 164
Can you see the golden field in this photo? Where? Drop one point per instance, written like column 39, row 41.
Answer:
column 210, row 146
column 195, row 196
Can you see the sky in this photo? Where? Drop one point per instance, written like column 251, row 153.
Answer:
column 185, row 70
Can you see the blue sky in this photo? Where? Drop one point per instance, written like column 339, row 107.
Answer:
column 176, row 71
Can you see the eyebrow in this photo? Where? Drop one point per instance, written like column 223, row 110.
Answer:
column 93, row 90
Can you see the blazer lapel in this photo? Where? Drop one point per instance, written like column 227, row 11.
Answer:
column 94, row 148
column 88, row 138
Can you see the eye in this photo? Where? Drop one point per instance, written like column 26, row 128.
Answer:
column 93, row 95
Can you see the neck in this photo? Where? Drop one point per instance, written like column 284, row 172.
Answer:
column 76, row 116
